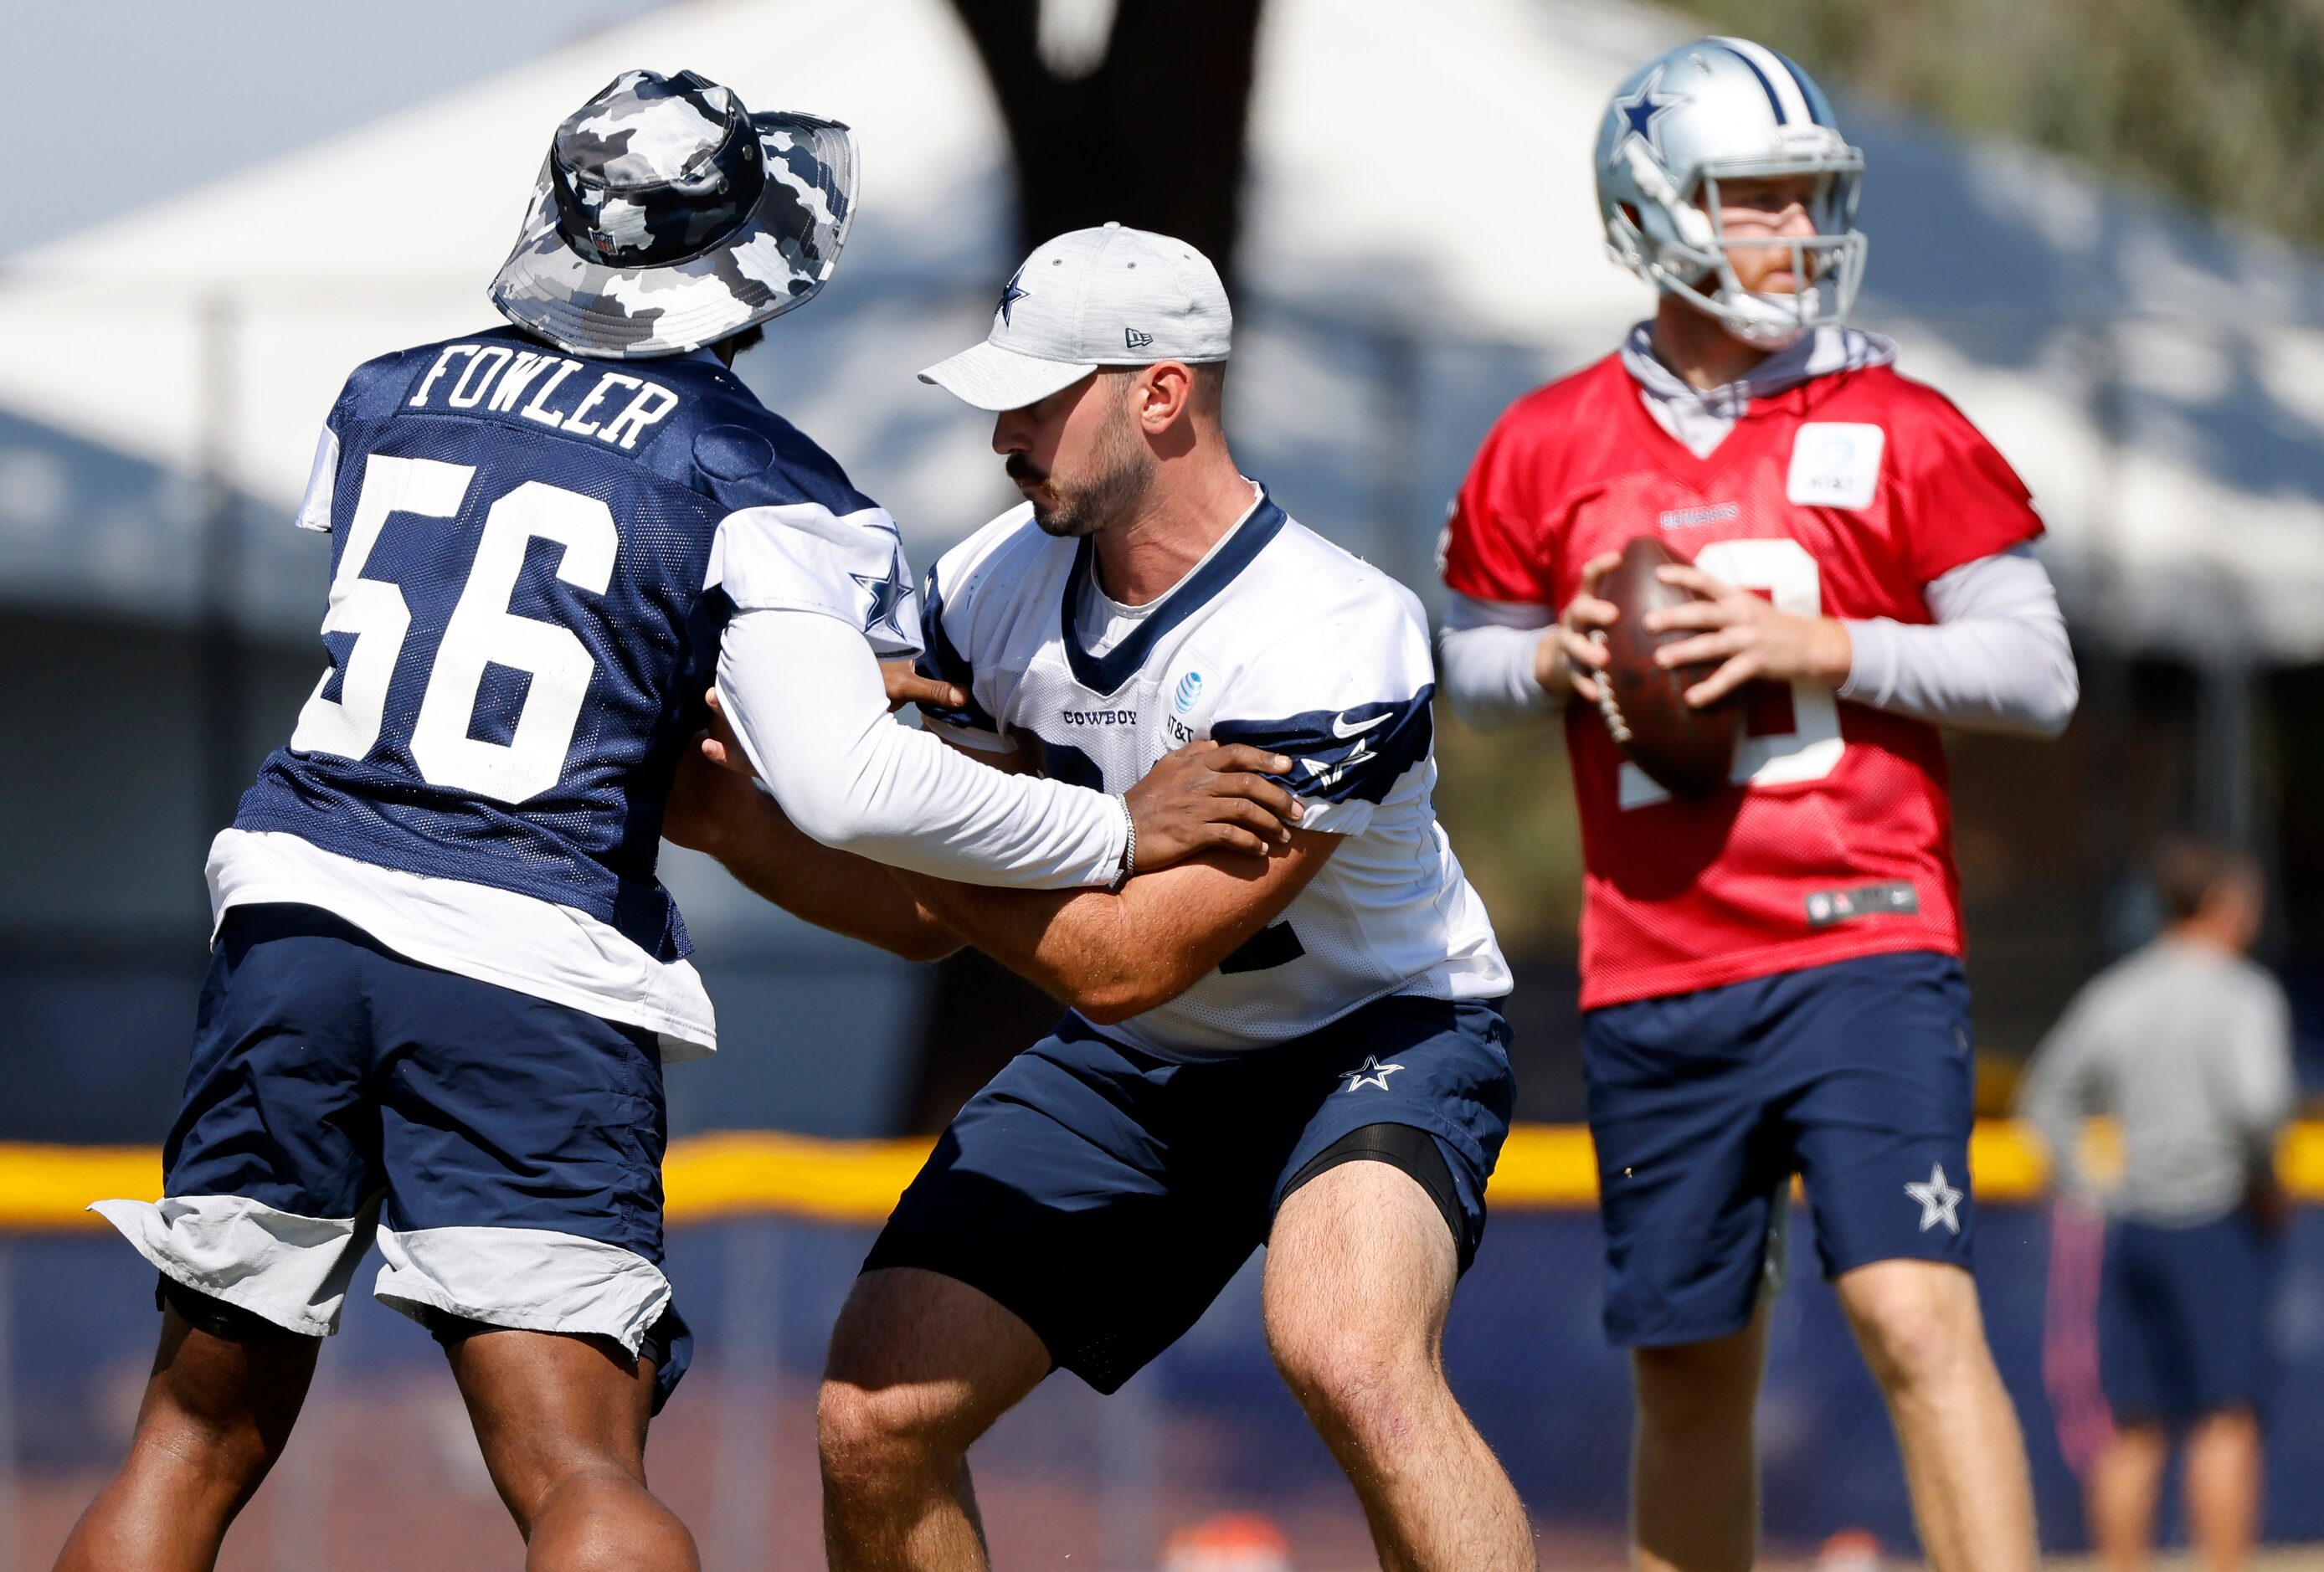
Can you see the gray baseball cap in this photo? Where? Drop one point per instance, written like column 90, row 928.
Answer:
column 1093, row 297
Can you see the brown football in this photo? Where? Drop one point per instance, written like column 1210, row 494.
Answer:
column 1687, row 752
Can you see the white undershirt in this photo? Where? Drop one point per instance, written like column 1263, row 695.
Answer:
column 1104, row 622
column 805, row 695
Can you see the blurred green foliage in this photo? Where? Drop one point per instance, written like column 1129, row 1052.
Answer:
column 1505, row 798
column 2217, row 102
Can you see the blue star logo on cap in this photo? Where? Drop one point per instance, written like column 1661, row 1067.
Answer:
column 888, row 597
column 1641, row 109
column 1011, row 294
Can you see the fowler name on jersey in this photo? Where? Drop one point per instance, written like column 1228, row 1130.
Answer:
column 1276, row 639
column 1843, row 496
column 499, row 375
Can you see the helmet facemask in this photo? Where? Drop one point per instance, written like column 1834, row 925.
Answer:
column 1684, row 248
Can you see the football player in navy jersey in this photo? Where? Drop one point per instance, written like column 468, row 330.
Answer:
column 445, row 979
column 1305, row 1053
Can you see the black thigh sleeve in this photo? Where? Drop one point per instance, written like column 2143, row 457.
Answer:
column 1404, row 1147
column 219, row 1319
column 657, row 1346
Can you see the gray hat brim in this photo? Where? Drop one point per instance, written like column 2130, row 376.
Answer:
column 996, row 379
column 767, row 267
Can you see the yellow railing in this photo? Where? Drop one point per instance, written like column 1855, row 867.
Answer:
column 759, row 1173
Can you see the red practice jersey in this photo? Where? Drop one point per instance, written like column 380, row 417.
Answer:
column 1842, row 497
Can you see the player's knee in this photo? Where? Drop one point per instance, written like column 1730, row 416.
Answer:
column 870, row 1434
column 561, row 1472
column 592, row 1512
column 1919, row 1330
column 1362, row 1379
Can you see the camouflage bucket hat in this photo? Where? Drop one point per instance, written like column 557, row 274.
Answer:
column 668, row 216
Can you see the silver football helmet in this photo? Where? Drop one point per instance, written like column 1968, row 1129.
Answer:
column 1725, row 109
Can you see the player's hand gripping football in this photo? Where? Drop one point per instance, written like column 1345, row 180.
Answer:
column 1747, row 636
column 1569, row 659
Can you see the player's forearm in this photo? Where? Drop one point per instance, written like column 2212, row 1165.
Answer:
column 806, row 698
column 1997, row 659
column 1110, row 956
column 1489, row 660
column 846, row 894
column 1081, row 948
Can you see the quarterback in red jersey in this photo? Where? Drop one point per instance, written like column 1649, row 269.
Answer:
column 1770, row 975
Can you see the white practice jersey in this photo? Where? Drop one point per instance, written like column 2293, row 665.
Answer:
column 1277, row 638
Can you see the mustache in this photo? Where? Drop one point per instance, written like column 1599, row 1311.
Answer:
column 1023, row 471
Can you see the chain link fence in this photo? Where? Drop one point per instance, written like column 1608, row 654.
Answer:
column 383, row 1473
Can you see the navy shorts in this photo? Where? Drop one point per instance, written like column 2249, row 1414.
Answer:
column 1858, row 1076
column 1105, row 1196
column 504, row 1152
column 2183, row 1319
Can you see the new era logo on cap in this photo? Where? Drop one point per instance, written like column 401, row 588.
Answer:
column 1096, row 297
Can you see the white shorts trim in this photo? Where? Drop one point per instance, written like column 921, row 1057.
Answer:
column 290, row 1270
column 555, row 952
column 534, row 1280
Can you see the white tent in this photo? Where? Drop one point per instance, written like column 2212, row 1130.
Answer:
column 1420, row 244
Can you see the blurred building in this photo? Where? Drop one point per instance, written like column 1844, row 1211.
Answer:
column 1419, row 246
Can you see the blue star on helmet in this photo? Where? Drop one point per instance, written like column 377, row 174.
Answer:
column 1011, row 294
column 1641, row 109
column 888, row 597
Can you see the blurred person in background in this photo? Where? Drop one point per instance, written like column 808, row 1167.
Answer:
column 2187, row 1043
column 446, row 977
column 1770, row 974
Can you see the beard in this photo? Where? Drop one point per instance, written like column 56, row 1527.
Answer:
column 1122, row 473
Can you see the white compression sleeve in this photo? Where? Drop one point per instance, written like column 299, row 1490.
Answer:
column 1485, row 659
column 805, row 695
column 1995, row 659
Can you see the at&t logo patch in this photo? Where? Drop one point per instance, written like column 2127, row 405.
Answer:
column 1190, row 689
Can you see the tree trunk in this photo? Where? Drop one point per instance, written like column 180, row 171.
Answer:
column 1153, row 136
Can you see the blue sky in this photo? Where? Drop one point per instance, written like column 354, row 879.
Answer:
column 127, row 101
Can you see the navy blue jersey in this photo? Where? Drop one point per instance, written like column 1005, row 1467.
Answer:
column 532, row 558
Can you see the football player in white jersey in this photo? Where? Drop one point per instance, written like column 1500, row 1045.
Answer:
column 1303, row 1053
